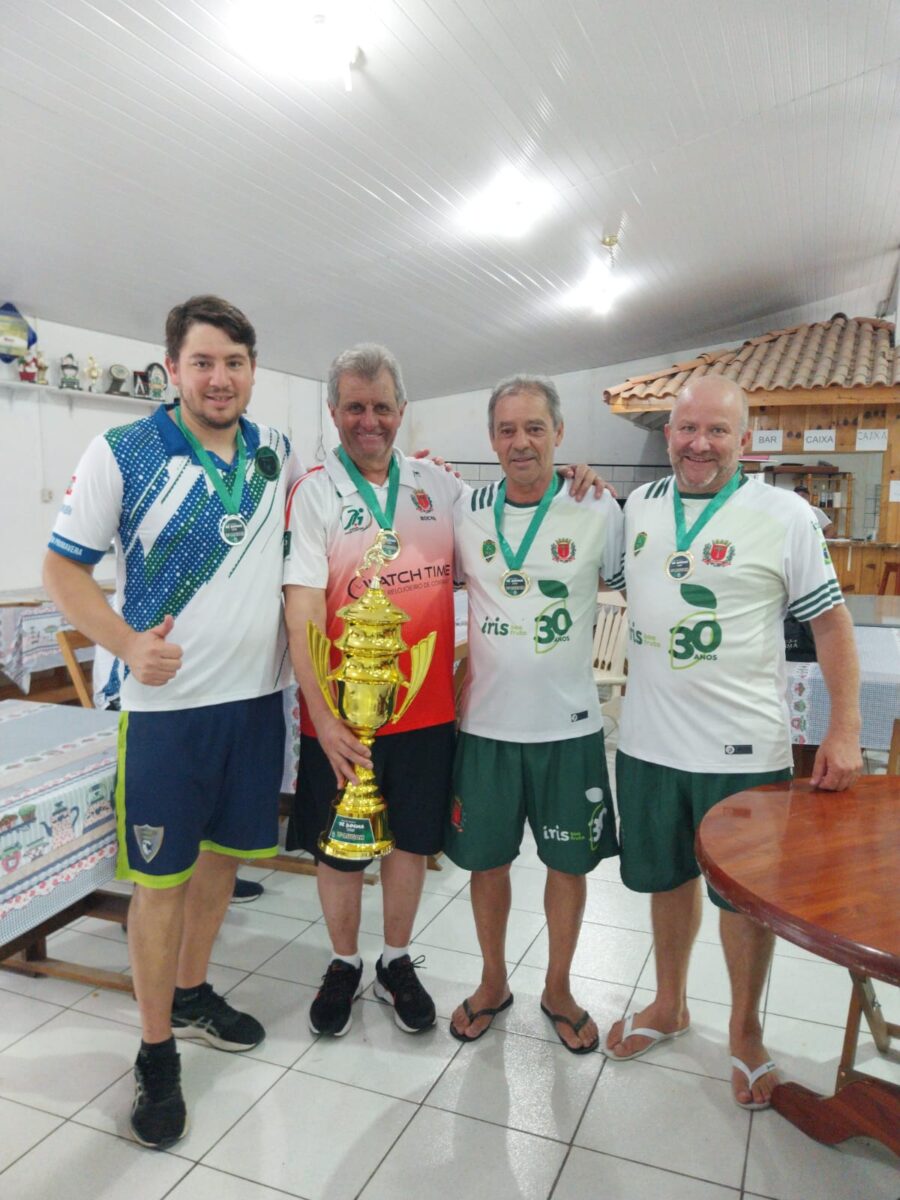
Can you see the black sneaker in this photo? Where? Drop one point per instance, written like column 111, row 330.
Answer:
column 207, row 1015
column 332, row 1010
column 399, row 985
column 246, row 890
column 158, row 1115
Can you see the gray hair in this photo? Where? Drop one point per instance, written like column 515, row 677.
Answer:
column 527, row 383
column 367, row 359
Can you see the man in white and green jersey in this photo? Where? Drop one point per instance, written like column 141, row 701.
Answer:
column 531, row 740
column 713, row 561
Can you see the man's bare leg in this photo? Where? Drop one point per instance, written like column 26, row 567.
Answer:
column 676, row 920
column 402, row 879
column 491, row 901
column 340, row 894
column 208, row 895
column 748, row 952
column 564, row 899
column 155, row 918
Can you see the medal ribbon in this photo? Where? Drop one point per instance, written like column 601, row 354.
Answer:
column 514, row 559
column 231, row 500
column 384, row 517
column 684, row 536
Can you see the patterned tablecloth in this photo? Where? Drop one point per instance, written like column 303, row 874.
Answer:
column 57, row 813
column 879, row 693
column 29, row 622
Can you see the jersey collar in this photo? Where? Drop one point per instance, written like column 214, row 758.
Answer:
column 174, row 442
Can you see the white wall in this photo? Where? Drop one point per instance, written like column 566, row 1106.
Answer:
column 43, row 435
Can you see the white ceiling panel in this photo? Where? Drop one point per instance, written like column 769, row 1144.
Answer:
column 746, row 155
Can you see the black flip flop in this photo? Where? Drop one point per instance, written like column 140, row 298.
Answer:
column 482, row 1012
column 576, row 1026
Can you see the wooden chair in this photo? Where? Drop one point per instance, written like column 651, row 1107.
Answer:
column 608, row 658
column 891, row 571
column 69, row 641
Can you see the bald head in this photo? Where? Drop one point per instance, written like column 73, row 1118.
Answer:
column 707, row 432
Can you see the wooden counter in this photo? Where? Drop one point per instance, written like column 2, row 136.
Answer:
column 859, row 565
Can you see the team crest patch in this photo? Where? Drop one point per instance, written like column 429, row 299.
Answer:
column 457, row 816
column 718, row 554
column 488, row 549
column 640, row 542
column 422, row 500
column 149, row 839
column 563, row 550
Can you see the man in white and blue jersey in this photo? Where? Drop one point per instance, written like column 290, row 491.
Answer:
column 192, row 498
column 713, row 561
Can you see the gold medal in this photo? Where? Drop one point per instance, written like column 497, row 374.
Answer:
column 389, row 544
column 514, row 583
column 680, row 564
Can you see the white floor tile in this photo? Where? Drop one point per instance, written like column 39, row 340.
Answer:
column 449, row 880
column 604, row 1001
column 448, row 975
column 203, row 1183
column 22, row 1128
column 444, row 1156
column 81, row 1164
column 812, row 991
column 313, row 1138
column 54, row 991
column 249, row 936
column 588, row 1174
column 375, row 1054
column 616, row 955
column 19, row 1015
column 805, row 1052
column 218, row 1089
column 65, row 1063
column 641, row 1114
column 703, row 1051
column 110, row 954
column 307, row 957
column 281, row 1007
column 454, row 929
column 707, row 976
column 522, row 1082
column 612, row 903
column 372, row 916
column 785, row 1164
column 286, row 895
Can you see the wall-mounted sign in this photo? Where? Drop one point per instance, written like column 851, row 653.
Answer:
column 767, row 439
column 871, row 439
column 818, row 439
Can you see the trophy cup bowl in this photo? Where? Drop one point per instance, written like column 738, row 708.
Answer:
column 367, row 682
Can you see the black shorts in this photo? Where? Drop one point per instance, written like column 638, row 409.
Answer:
column 414, row 772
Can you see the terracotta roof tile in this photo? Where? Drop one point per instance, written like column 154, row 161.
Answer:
column 845, row 351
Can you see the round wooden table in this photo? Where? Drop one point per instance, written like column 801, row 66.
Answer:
column 821, row 870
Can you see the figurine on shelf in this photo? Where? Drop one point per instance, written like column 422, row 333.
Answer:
column 28, row 368
column 139, row 384
column 93, row 371
column 118, row 377
column 157, row 381
column 68, row 373
column 42, row 367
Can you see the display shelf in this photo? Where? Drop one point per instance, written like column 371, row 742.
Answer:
column 47, row 389
column 829, row 489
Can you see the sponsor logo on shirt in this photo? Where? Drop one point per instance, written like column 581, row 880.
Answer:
column 698, row 635
column 738, row 749
column 354, row 518
column 563, row 550
column 718, row 553
column 488, row 549
column 552, row 624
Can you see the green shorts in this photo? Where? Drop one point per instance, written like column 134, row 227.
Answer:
column 561, row 787
column 660, row 810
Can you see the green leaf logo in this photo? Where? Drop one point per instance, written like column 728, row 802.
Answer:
column 697, row 596
column 554, row 589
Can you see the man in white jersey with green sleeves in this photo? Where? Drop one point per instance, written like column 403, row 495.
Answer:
column 531, row 739
column 713, row 561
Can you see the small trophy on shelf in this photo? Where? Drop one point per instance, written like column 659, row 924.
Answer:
column 68, row 373
column 93, row 371
column 157, row 381
column 118, row 378
column 42, row 367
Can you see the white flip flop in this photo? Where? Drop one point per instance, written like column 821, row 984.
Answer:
column 752, row 1076
column 656, row 1038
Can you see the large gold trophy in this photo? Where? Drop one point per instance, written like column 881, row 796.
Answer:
column 368, row 680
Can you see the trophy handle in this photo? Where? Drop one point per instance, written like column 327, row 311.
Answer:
column 320, row 656
column 420, row 656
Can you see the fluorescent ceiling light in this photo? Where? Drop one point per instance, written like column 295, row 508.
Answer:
column 598, row 290
column 509, row 206
column 302, row 39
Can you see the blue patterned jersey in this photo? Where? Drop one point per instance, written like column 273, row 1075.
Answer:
column 140, row 489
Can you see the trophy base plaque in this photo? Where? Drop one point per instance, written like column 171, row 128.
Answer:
column 359, row 827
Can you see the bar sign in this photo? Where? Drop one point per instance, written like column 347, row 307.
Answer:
column 767, row 439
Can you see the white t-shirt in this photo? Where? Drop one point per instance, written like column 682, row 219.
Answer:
column 706, row 666
column 140, row 488
column 529, row 676
column 330, row 529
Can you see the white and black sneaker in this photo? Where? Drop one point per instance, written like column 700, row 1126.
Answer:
column 332, row 1010
column 158, row 1115
column 399, row 985
column 202, row 1013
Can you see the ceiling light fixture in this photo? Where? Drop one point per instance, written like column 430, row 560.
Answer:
column 600, row 287
column 303, row 39
column 510, row 206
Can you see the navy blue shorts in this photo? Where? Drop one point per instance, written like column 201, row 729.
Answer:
column 197, row 779
column 413, row 771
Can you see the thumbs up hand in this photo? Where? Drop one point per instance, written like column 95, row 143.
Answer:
column 152, row 659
